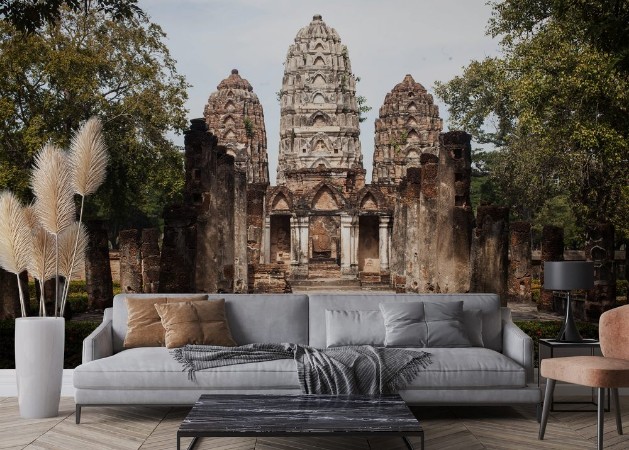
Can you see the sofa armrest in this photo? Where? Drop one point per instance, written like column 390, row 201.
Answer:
column 99, row 344
column 516, row 344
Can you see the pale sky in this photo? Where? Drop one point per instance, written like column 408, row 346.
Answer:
column 429, row 39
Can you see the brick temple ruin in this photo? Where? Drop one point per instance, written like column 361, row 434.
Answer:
column 412, row 229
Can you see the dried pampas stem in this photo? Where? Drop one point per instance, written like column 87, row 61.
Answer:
column 15, row 250
column 42, row 262
column 72, row 247
column 54, row 198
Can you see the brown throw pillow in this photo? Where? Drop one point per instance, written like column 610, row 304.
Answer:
column 195, row 323
column 144, row 326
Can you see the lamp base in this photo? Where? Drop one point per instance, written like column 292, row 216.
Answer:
column 569, row 331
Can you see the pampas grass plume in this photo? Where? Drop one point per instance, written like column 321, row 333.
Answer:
column 88, row 158
column 54, row 198
column 67, row 240
column 15, row 238
column 42, row 262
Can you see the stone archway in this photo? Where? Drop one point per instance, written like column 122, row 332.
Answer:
column 280, row 239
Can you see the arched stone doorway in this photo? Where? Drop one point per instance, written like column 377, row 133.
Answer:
column 368, row 244
column 280, row 239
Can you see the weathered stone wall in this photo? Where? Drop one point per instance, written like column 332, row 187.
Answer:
column 552, row 250
column 599, row 248
column 150, row 260
column 130, row 261
column 255, row 221
column 519, row 282
column 9, row 295
column 98, row 280
column 490, row 251
column 270, row 278
column 179, row 248
column 241, row 279
column 455, row 216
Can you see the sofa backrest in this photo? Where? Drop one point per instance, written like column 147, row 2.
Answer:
column 489, row 304
column 252, row 317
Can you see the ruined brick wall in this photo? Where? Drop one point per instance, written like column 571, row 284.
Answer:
column 519, row 282
column 150, row 260
column 455, row 217
column 179, row 248
column 130, row 261
column 270, row 278
column 256, row 194
column 490, row 251
column 98, row 279
column 552, row 250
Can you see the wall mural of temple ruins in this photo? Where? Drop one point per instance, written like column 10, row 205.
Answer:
column 412, row 229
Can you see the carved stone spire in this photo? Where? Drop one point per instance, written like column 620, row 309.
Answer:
column 409, row 125
column 319, row 113
column 235, row 116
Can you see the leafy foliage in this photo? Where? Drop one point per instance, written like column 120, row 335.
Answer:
column 30, row 16
column 90, row 64
column 556, row 105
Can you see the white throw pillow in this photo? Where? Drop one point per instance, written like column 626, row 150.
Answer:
column 354, row 328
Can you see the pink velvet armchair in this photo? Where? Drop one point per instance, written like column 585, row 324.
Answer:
column 610, row 371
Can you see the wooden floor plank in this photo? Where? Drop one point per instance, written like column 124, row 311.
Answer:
column 147, row 428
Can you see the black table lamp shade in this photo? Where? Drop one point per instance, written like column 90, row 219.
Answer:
column 565, row 276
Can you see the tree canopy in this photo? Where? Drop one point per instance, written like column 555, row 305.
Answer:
column 30, row 16
column 556, row 106
column 89, row 64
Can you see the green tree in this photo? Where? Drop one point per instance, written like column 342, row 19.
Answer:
column 556, row 105
column 90, row 64
column 30, row 16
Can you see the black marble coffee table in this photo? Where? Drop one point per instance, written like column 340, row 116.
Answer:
column 299, row 415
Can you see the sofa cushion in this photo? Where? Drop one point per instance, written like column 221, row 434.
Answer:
column 201, row 322
column 155, row 368
column 473, row 367
column 285, row 317
column 489, row 304
column 424, row 324
column 354, row 328
column 144, row 327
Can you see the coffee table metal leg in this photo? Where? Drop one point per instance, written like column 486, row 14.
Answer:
column 409, row 445
column 193, row 443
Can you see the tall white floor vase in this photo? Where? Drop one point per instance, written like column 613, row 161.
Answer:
column 39, row 343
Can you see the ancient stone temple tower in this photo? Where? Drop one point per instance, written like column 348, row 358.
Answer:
column 319, row 113
column 234, row 115
column 408, row 126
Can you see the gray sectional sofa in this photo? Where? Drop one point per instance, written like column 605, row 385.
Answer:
column 500, row 372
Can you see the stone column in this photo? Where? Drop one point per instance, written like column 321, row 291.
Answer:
column 490, row 251
column 98, row 281
column 241, row 278
column 383, row 241
column 599, row 248
column 552, row 250
column 354, row 245
column 150, row 260
column 130, row 261
column 9, row 296
column 346, row 244
column 266, row 250
column 304, row 224
column 520, row 262
column 179, row 250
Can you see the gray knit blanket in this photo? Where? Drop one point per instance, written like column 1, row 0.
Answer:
column 334, row 371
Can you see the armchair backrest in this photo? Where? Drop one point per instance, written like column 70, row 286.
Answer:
column 613, row 330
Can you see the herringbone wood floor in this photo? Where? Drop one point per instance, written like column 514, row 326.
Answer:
column 466, row 428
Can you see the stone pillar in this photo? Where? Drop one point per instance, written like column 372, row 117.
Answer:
column 178, row 257
column 455, row 216
column 383, row 243
column 266, row 246
column 130, row 261
column 241, row 279
column 98, row 281
column 599, row 248
column 255, row 222
column 9, row 296
column 490, row 251
column 346, row 245
column 304, row 227
column 354, row 231
column 150, row 260
column 520, row 262
column 427, row 253
column 552, row 250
